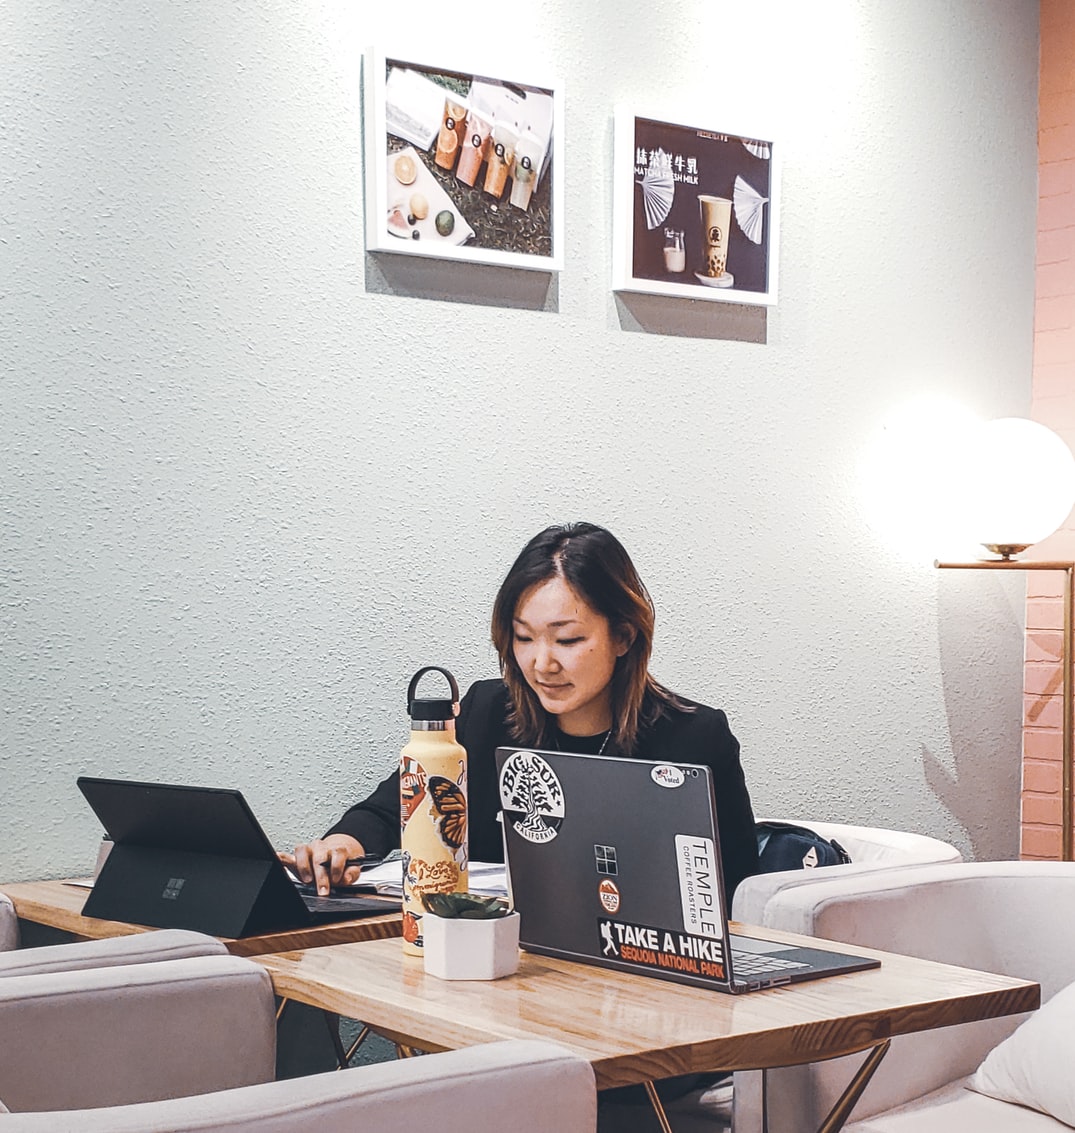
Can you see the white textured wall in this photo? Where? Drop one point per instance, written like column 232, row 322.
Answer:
column 252, row 477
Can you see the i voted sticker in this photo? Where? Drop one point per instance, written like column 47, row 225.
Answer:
column 665, row 775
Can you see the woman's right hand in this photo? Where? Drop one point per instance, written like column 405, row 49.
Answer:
column 323, row 862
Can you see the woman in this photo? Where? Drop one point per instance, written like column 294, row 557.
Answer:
column 573, row 627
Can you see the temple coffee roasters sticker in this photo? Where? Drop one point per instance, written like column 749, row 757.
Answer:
column 531, row 796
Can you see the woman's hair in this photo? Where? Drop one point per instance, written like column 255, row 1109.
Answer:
column 593, row 562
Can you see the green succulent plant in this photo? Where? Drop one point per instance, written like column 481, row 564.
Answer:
column 466, row 906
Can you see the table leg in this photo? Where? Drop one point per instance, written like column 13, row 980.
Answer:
column 362, row 1036
column 750, row 1111
column 332, row 1021
column 841, row 1111
column 658, row 1107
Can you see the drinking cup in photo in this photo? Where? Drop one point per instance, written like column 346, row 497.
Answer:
column 716, row 218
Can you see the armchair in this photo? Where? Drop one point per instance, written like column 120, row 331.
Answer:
column 190, row 1044
column 1014, row 918
column 757, row 900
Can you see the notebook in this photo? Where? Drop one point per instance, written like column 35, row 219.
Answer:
column 616, row 862
column 196, row 858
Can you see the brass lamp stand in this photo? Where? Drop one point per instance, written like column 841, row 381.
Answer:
column 1067, row 659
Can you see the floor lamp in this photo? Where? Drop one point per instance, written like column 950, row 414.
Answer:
column 1018, row 480
column 1066, row 660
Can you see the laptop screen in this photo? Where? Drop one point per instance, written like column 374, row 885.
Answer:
column 615, row 861
column 196, row 858
column 212, row 820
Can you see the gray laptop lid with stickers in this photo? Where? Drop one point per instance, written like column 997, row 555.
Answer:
column 616, row 862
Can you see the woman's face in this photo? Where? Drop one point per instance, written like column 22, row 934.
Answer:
column 567, row 652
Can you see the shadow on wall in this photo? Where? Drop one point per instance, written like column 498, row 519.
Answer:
column 691, row 318
column 454, row 281
column 982, row 792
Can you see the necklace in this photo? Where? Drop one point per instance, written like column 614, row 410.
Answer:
column 560, row 736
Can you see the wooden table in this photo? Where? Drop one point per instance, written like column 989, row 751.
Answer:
column 635, row 1028
column 58, row 905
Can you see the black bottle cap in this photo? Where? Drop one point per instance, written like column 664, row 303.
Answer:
column 433, row 708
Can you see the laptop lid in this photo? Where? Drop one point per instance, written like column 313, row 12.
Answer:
column 196, row 858
column 616, row 861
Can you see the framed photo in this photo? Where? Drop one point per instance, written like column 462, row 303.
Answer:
column 463, row 166
column 695, row 211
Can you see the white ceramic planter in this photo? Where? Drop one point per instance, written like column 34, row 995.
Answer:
column 456, row 948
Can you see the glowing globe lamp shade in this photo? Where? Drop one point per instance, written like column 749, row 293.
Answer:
column 1019, row 484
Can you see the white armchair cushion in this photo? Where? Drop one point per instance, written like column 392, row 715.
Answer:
column 954, row 1109
column 524, row 1086
column 138, row 948
column 1033, row 1066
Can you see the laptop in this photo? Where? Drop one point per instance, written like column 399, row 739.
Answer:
column 196, row 858
column 616, row 862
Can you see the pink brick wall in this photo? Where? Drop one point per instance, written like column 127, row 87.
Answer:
column 1053, row 403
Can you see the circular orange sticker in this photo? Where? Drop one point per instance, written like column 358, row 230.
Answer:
column 610, row 896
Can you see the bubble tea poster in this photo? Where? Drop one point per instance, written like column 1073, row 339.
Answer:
column 695, row 212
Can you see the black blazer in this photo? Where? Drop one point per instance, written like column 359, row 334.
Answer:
column 698, row 736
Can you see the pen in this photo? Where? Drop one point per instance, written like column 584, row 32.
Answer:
column 369, row 859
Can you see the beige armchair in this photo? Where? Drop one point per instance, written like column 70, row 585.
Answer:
column 758, row 901
column 1014, row 918
column 190, row 1044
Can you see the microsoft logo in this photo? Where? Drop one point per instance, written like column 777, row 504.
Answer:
column 173, row 888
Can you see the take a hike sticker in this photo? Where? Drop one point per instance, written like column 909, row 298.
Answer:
column 662, row 949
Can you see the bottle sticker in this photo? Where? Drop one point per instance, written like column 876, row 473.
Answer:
column 450, row 809
column 421, row 876
column 665, row 775
column 412, row 934
column 412, row 788
column 531, row 797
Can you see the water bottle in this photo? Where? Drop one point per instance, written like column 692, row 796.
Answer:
column 432, row 805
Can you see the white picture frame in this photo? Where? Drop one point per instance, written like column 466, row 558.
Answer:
column 664, row 175
column 419, row 156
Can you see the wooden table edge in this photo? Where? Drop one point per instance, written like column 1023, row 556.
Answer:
column 779, row 1046
column 31, row 902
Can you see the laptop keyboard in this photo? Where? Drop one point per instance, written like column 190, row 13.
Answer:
column 755, row 964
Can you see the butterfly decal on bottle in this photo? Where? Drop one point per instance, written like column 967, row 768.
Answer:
column 450, row 803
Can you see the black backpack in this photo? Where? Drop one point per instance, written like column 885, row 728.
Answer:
column 782, row 845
